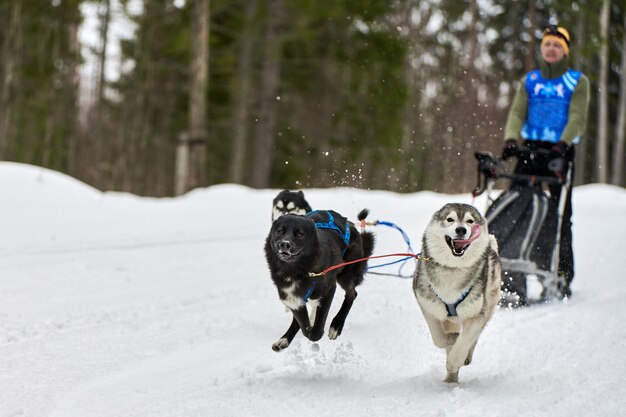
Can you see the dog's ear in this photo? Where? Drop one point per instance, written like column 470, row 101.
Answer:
column 300, row 193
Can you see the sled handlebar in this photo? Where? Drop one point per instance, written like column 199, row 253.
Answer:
column 492, row 169
column 532, row 179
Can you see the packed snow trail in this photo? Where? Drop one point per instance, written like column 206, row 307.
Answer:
column 114, row 305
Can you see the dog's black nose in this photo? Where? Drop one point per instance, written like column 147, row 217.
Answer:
column 460, row 231
column 284, row 246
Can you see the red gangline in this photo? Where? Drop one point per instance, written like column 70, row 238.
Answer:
column 324, row 272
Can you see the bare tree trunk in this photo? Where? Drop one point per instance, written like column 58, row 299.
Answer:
column 51, row 100
column 8, row 60
column 620, row 127
column 414, row 145
column 473, row 40
column 105, row 19
column 579, row 38
column 198, row 102
column 473, row 83
column 270, row 77
column 412, row 100
column 194, row 175
column 532, row 18
column 182, row 165
column 242, row 101
column 603, row 96
column 95, row 151
column 72, row 151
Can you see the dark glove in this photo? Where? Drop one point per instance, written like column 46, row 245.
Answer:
column 558, row 150
column 510, row 149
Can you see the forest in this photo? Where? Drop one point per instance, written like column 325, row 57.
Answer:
column 375, row 94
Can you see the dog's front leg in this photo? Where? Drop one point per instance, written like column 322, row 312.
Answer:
column 465, row 343
column 336, row 326
column 440, row 338
column 301, row 315
column 300, row 321
column 320, row 316
column 285, row 340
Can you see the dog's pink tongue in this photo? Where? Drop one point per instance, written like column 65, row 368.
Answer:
column 476, row 231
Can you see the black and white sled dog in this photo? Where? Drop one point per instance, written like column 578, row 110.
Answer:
column 289, row 202
column 298, row 245
column 457, row 285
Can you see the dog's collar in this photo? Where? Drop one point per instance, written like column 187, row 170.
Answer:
column 451, row 308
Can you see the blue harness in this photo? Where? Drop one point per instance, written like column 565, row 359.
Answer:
column 330, row 224
column 451, row 308
column 308, row 293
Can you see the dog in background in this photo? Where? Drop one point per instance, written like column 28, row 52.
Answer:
column 289, row 202
column 297, row 245
column 457, row 285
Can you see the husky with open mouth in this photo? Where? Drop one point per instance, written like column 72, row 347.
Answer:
column 457, row 285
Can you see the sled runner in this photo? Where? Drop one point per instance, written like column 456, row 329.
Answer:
column 527, row 225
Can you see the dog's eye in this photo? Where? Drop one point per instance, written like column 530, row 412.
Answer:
column 299, row 234
column 470, row 221
column 450, row 220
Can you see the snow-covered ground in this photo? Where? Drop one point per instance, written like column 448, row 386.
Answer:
column 115, row 305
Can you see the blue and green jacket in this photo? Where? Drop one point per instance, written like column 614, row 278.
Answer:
column 550, row 105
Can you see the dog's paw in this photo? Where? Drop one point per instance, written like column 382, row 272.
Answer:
column 280, row 344
column 306, row 332
column 333, row 333
column 314, row 336
column 452, row 377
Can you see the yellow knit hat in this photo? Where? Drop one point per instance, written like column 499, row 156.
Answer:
column 558, row 34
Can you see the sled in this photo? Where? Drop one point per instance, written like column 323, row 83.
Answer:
column 527, row 225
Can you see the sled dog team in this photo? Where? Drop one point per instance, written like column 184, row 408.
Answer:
column 456, row 283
